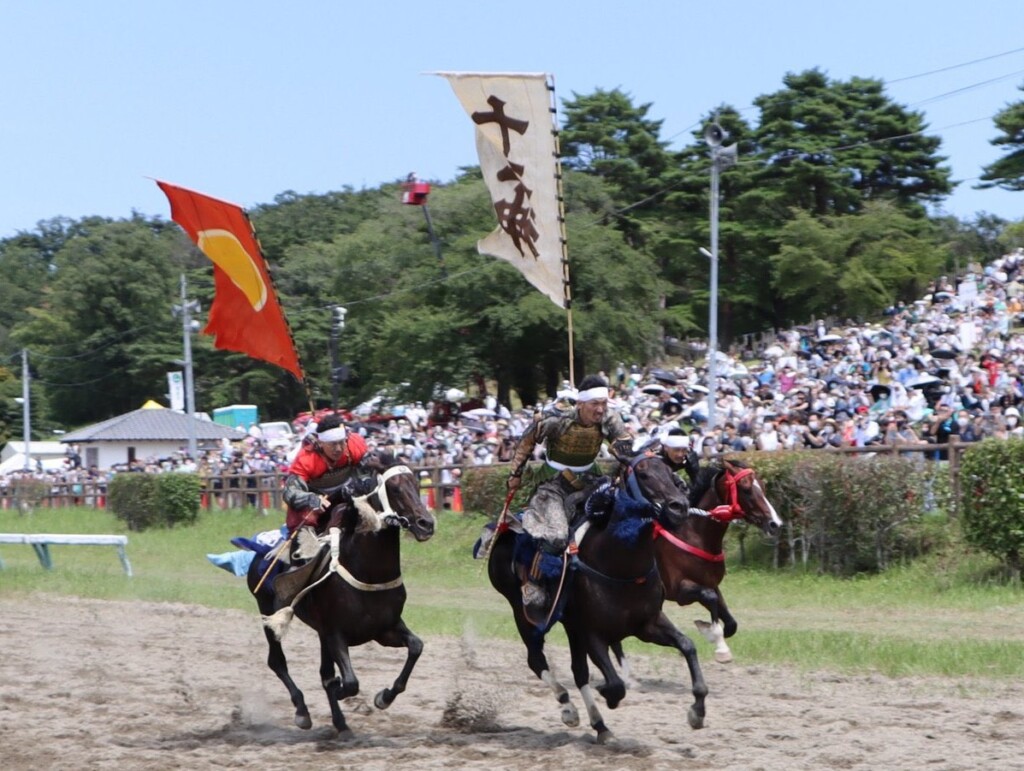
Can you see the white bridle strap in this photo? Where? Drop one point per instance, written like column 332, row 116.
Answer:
column 363, row 506
column 362, row 501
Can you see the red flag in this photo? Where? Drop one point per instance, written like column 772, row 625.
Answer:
column 245, row 315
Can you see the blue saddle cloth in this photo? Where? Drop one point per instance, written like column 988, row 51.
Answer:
column 260, row 545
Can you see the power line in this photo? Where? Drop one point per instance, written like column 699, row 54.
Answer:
column 955, row 66
column 937, row 71
column 970, row 87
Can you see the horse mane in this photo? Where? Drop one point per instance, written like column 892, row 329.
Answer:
column 706, row 477
column 629, row 518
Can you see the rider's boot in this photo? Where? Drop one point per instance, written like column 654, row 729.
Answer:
column 536, row 598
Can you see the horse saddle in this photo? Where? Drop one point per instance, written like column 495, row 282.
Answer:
column 289, row 584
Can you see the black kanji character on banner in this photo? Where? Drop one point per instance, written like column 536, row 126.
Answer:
column 515, row 217
column 504, row 122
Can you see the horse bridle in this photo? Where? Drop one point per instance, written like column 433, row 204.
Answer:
column 732, row 510
column 629, row 472
column 387, row 515
column 725, row 513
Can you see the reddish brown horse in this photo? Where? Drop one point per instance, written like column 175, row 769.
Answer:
column 689, row 552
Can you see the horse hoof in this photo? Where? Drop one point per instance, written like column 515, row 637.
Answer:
column 380, row 701
column 723, row 657
column 304, row 722
column 605, row 737
column 694, row 718
column 346, row 735
column 570, row 716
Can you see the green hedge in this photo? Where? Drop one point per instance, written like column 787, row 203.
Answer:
column 848, row 514
column 142, row 501
column 29, row 493
column 992, row 503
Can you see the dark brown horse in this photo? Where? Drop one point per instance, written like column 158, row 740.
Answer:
column 361, row 600
column 614, row 591
column 689, row 552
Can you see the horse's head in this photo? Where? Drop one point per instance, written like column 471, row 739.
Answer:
column 394, row 493
column 646, row 476
column 737, row 486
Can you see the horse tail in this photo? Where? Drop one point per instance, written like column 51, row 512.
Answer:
column 278, row 622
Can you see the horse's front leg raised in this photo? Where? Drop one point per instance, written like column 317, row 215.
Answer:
column 661, row 631
column 334, row 652
column 399, row 637
column 722, row 623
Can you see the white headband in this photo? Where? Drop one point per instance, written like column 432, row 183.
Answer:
column 332, row 434
column 601, row 392
column 675, row 441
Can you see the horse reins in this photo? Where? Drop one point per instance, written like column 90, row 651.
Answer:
column 725, row 514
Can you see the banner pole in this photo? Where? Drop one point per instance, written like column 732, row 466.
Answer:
column 566, row 286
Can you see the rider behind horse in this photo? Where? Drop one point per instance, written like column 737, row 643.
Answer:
column 573, row 439
column 329, row 459
column 674, row 449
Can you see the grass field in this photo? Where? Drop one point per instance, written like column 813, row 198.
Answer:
column 937, row 617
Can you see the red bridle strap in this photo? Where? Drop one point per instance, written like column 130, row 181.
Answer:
column 659, row 531
column 727, row 513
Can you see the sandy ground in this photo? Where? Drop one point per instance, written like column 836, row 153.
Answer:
column 94, row 684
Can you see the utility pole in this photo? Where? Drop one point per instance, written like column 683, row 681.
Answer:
column 721, row 158
column 26, row 410
column 186, row 309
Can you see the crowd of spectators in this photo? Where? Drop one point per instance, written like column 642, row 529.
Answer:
column 948, row 365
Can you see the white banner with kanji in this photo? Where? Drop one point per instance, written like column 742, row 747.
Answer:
column 516, row 146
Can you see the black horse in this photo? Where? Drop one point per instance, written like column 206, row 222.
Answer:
column 614, row 591
column 361, row 600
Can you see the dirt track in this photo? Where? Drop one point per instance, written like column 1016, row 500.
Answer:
column 94, row 684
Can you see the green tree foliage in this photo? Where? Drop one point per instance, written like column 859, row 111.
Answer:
column 853, row 265
column 992, row 503
column 831, row 146
column 101, row 334
column 1008, row 172
column 607, row 135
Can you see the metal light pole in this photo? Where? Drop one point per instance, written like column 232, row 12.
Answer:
column 26, row 410
column 337, row 324
column 721, row 158
column 186, row 309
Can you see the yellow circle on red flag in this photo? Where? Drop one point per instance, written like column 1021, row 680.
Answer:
column 228, row 254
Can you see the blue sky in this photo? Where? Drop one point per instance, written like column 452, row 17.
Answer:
column 244, row 100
